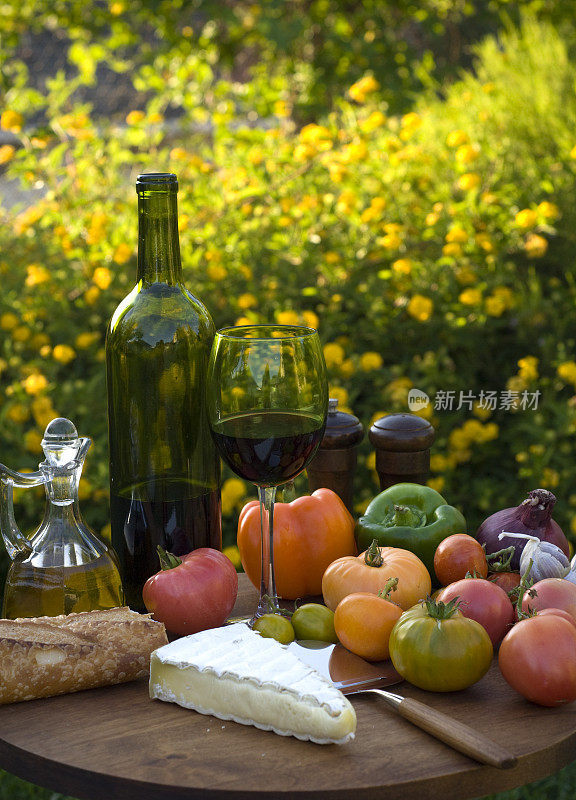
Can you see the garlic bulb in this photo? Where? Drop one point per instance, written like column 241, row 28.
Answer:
column 572, row 574
column 548, row 561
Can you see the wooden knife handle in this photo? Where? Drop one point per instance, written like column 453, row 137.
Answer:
column 459, row 736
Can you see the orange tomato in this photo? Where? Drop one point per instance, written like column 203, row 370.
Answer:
column 364, row 622
column 369, row 573
column 309, row 533
column 457, row 555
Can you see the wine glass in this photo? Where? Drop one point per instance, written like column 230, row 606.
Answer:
column 267, row 406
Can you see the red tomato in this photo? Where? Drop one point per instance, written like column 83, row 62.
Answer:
column 552, row 593
column 506, row 580
column 538, row 659
column 197, row 594
column 559, row 612
column 457, row 555
column 484, row 602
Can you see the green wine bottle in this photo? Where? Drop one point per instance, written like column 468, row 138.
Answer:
column 164, row 470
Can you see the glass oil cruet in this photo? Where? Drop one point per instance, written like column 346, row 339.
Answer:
column 63, row 566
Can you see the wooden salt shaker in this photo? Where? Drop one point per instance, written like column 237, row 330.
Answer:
column 402, row 443
column 334, row 464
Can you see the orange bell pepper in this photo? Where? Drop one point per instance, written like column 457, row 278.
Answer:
column 309, row 534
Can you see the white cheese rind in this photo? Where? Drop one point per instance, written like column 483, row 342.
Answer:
column 234, row 673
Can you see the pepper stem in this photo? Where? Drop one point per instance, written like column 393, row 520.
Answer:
column 404, row 516
column 167, row 560
column 373, row 556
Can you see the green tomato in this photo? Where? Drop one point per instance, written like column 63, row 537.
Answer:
column 275, row 626
column 439, row 655
column 314, row 621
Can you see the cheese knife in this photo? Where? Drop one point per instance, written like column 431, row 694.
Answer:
column 353, row 675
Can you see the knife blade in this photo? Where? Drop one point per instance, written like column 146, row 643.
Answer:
column 353, row 675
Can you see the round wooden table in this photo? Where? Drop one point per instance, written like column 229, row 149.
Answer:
column 116, row 742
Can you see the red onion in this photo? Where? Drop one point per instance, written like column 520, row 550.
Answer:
column 533, row 517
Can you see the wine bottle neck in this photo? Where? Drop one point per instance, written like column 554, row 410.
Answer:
column 158, row 244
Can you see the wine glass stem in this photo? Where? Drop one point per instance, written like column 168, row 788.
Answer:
column 268, row 599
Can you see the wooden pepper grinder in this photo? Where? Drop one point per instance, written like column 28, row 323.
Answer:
column 334, row 464
column 402, row 443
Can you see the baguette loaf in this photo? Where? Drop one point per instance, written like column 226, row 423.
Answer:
column 46, row 656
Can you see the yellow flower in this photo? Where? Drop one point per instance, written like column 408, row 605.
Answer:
column 6, row 153
column 18, row 413
column 233, row 554
column 371, row 123
column 470, row 297
column 331, row 257
column 347, row 368
column 333, row 354
column 420, row 307
column 35, row 383
column 36, row 274
column 354, row 152
column 91, row 294
column 484, row 242
column 411, row 121
column 452, row 249
column 135, row 117
column 370, row 361
column 116, row 8
column 43, row 411
column 11, row 121
column 456, row 234
column 494, row 306
column 402, row 266
column 123, row 253
column 339, row 393
column 535, row 246
column 365, row 86
column 573, row 152
column 216, row 272
column 468, row 181
column 439, row 463
column 316, row 135
column 548, row 210
column 436, row 483
column 243, row 321
column 567, row 371
column 21, row 333
column 63, row 353
column 526, row 218
column 287, row 318
column 33, row 441
column 457, row 138
column 281, row 108
column 102, row 277
column 528, row 368
column 467, row 153
column 8, row 320
column 233, row 491
column 371, row 460
column 550, row 477
column 391, row 241
column 347, row 201
column 310, row 319
column 246, row 300
column 86, row 339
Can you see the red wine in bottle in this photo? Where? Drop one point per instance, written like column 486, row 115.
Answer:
column 164, row 470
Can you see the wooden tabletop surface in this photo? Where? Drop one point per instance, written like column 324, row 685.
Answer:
column 115, row 742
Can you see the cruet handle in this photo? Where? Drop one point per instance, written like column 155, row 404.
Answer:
column 15, row 541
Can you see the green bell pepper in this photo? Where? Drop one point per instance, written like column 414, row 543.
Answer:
column 410, row 516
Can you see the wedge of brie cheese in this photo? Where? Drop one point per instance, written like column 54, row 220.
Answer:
column 235, row 674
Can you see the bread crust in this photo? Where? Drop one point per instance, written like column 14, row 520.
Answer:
column 46, row 656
